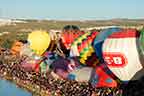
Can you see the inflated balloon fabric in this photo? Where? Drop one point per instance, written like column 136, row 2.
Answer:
column 39, row 41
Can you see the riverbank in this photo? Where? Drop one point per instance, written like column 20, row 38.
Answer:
column 10, row 89
column 46, row 85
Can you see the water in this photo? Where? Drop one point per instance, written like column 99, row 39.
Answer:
column 10, row 89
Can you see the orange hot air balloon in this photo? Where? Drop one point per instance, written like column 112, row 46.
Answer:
column 16, row 47
column 69, row 34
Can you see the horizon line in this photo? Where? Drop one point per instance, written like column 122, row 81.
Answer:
column 68, row 19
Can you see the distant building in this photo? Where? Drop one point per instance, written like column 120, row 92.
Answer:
column 5, row 33
column 4, row 22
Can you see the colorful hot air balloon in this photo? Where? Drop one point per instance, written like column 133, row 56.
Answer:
column 120, row 51
column 98, row 41
column 70, row 69
column 142, row 41
column 69, row 34
column 39, row 41
column 83, row 49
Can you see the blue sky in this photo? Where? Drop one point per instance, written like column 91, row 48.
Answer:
column 72, row 9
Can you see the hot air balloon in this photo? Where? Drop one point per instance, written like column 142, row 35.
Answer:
column 119, row 50
column 69, row 34
column 39, row 41
column 71, row 69
column 142, row 41
column 17, row 46
column 98, row 41
column 83, row 49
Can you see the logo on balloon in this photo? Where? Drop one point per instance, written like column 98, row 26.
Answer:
column 115, row 59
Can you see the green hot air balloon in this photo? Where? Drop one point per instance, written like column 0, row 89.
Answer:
column 142, row 41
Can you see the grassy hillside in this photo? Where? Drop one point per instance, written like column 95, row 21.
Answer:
column 20, row 30
column 53, row 24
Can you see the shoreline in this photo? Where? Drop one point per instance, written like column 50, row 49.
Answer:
column 25, row 85
column 40, row 85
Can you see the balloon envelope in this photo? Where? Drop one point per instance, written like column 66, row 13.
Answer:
column 68, row 37
column 120, row 52
column 98, row 41
column 39, row 41
column 16, row 47
column 142, row 41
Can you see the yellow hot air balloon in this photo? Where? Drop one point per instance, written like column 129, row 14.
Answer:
column 39, row 41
